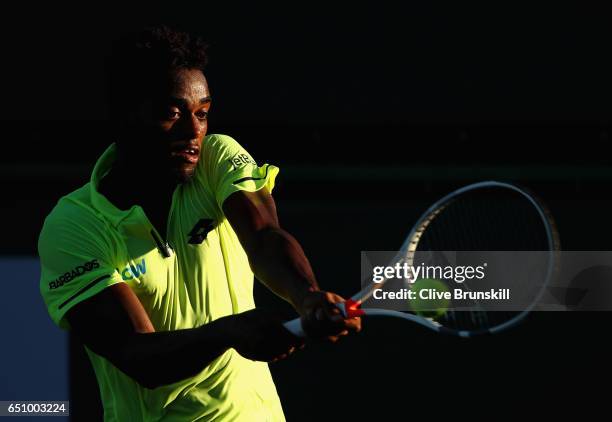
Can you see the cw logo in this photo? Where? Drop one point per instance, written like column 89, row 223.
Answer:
column 131, row 272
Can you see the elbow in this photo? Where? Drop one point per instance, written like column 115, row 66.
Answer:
column 268, row 238
column 266, row 242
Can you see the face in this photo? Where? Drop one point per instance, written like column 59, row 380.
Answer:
column 171, row 126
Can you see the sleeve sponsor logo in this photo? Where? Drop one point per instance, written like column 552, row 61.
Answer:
column 74, row 273
column 240, row 160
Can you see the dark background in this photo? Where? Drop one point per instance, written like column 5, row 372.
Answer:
column 371, row 112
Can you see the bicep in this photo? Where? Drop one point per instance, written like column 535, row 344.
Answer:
column 107, row 319
column 249, row 213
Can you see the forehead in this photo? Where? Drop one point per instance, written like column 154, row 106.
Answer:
column 187, row 84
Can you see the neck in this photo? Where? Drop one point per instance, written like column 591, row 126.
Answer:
column 136, row 182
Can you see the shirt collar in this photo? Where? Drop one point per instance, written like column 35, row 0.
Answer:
column 99, row 201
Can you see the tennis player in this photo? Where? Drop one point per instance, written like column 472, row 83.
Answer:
column 151, row 263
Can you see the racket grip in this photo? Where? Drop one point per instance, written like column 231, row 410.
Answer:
column 295, row 327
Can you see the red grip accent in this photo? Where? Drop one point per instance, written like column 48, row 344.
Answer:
column 352, row 309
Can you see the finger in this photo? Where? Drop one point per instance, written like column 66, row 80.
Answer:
column 333, row 314
column 334, row 324
column 353, row 324
column 336, row 319
column 277, row 358
column 333, row 297
column 320, row 314
column 323, row 324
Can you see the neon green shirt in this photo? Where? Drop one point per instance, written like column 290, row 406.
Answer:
column 200, row 275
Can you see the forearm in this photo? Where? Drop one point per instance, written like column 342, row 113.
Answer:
column 279, row 262
column 161, row 358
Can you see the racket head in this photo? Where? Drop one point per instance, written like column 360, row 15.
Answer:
column 484, row 216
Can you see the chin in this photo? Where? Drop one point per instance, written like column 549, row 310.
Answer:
column 184, row 174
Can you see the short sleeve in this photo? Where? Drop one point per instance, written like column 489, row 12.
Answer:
column 230, row 168
column 76, row 257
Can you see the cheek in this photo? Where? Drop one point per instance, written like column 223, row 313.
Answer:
column 168, row 131
column 153, row 132
column 164, row 126
column 203, row 131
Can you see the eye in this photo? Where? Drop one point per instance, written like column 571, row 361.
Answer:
column 202, row 114
column 168, row 113
column 172, row 115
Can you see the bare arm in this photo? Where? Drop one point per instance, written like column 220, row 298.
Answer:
column 115, row 325
column 278, row 260
column 275, row 256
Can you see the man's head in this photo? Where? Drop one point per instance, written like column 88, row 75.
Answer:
column 159, row 100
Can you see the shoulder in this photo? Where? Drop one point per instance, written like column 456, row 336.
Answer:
column 218, row 141
column 73, row 219
column 71, row 209
column 220, row 147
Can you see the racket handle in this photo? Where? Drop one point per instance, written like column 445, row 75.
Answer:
column 295, row 327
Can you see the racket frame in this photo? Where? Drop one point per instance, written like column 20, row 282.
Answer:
column 352, row 307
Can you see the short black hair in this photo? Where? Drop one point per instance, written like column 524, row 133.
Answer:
column 141, row 59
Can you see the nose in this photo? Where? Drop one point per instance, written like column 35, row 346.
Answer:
column 193, row 127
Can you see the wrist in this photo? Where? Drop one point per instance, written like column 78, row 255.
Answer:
column 303, row 299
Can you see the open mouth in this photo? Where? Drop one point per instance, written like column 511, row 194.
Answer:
column 187, row 154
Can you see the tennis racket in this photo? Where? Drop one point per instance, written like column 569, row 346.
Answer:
column 485, row 216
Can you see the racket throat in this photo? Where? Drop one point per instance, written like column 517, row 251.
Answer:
column 351, row 309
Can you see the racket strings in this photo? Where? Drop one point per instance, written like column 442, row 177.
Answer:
column 478, row 224
column 489, row 219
